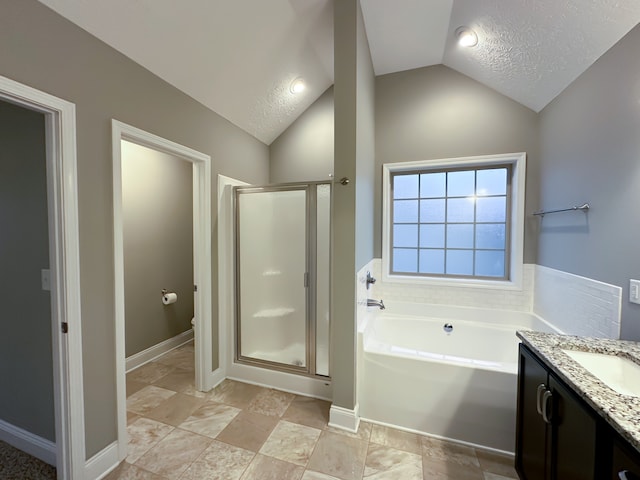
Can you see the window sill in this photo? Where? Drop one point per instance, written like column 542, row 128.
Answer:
column 507, row 285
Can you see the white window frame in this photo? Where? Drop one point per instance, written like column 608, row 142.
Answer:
column 516, row 247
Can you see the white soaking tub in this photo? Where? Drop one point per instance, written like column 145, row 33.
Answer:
column 450, row 372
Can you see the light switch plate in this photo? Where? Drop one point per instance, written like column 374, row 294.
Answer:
column 45, row 278
column 634, row 291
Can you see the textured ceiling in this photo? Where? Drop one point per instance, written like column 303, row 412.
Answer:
column 238, row 57
column 532, row 50
column 406, row 34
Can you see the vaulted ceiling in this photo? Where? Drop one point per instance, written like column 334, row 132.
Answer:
column 239, row 57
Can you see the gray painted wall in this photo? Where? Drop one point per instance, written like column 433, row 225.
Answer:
column 436, row 112
column 590, row 152
column 304, row 151
column 157, row 217
column 26, row 371
column 428, row 113
column 353, row 146
column 50, row 53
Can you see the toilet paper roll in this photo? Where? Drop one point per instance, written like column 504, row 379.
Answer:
column 169, row 298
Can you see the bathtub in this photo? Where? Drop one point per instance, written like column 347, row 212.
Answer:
column 458, row 382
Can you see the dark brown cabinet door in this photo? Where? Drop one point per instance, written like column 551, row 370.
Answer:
column 625, row 462
column 531, row 430
column 574, row 430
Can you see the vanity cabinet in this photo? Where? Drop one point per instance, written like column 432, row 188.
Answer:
column 625, row 462
column 556, row 432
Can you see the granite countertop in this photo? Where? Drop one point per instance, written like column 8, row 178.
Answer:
column 622, row 412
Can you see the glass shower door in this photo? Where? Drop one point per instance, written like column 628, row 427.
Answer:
column 272, row 276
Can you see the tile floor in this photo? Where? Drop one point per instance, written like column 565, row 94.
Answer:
column 245, row 432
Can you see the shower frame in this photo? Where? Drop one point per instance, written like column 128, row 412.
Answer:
column 310, row 279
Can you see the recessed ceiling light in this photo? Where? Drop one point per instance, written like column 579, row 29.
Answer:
column 466, row 37
column 297, row 86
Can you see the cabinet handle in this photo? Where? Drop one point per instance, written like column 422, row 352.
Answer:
column 545, row 402
column 627, row 475
column 541, row 388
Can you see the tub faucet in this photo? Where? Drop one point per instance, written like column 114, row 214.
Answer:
column 375, row 303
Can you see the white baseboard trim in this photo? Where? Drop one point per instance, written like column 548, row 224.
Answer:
column 28, row 442
column 344, row 419
column 477, row 446
column 151, row 353
column 103, row 462
column 215, row 378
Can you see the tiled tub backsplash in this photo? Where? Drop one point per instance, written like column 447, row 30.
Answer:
column 576, row 305
column 521, row 300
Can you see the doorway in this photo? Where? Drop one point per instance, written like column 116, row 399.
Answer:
column 293, row 380
column 201, row 187
column 282, row 277
column 63, row 280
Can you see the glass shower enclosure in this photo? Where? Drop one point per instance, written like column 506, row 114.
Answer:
column 282, row 277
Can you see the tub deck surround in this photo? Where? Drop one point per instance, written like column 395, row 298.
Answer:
column 460, row 385
column 622, row 412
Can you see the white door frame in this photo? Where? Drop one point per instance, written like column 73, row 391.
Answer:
column 201, row 256
column 64, row 263
column 226, row 276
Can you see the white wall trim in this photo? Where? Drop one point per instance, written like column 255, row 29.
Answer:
column 64, row 254
column 103, row 462
column 201, row 256
column 226, row 276
column 150, row 354
column 344, row 418
column 32, row 444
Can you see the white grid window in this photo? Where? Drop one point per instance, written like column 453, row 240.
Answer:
column 455, row 221
column 451, row 222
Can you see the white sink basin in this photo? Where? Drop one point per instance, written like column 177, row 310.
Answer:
column 618, row 373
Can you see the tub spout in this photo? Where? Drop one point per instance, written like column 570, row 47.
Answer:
column 375, row 303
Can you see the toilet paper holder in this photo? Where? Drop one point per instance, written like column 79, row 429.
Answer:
column 164, row 292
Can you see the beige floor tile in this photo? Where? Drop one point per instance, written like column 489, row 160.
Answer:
column 133, row 386
column 271, row 402
column 236, row 394
column 149, row 373
column 435, row 449
column 381, row 458
column 132, row 417
column 210, row 419
column 436, row 469
column 498, row 464
column 174, row 453
column 125, row 471
column 404, row 471
column 311, row 412
column 311, row 475
column 339, row 455
column 178, row 380
column 182, row 358
column 493, row 476
column 147, row 399
column 392, row 437
column 176, row 409
column 219, row 462
column 143, row 435
column 291, row 443
column 248, row 430
column 363, row 433
column 268, row 468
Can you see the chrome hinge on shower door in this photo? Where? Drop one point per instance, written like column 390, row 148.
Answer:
column 64, row 326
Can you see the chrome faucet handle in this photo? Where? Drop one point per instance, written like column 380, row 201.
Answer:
column 370, row 280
